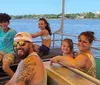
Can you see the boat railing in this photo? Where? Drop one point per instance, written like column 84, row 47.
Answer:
column 61, row 38
column 70, row 35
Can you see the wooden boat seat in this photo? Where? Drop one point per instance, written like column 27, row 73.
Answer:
column 58, row 75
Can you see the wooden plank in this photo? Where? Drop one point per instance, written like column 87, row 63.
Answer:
column 64, row 76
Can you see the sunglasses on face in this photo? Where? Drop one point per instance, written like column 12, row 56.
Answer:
column 21, row 43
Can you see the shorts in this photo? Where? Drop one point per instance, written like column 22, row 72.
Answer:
column 6, row 56
column 43, row 50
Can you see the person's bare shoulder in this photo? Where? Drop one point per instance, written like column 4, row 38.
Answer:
column 81, row 60
column 27, row 69
column 82, row 56
column 31, row 60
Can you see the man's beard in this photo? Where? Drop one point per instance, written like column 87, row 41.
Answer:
column 21, row 53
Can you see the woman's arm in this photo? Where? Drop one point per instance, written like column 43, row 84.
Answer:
column 78, row 62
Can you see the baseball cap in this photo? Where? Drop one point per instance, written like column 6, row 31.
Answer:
column 23, row 36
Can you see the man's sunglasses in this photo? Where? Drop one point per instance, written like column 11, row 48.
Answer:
column 21, row 43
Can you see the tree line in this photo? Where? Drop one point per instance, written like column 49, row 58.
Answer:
column 83, row 15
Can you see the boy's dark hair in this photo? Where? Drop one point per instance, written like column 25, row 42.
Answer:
column 4, row 17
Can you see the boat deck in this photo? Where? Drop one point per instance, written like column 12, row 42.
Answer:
column 66, row 75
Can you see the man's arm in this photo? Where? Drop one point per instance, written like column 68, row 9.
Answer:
column 8, row 83
column 26, row 71
column 21, row 83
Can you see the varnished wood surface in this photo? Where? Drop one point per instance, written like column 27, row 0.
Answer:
column 64, row 76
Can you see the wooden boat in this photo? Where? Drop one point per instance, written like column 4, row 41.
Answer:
column 58, row 75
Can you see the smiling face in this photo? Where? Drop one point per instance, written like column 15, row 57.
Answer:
column 4, row 26
column 65, row 47
column 41, row 24
column 22, row 48
column 83, row 44
column 23, row 44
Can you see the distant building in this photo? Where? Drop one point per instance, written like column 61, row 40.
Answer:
column 80, row 17
column 98, row 12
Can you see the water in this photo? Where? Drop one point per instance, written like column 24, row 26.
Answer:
column 71, row 26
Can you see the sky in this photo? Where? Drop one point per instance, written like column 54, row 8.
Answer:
column 21, row 7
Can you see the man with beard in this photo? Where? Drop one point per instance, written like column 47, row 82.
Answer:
column 30, row 70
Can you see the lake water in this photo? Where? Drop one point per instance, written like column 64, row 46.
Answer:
column 71, row 26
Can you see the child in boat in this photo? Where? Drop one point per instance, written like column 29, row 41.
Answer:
column 67, row 49
column 45, row 34
column 84, row 59
column 6, row 39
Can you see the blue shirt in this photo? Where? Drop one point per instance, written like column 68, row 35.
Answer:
column 6, row 40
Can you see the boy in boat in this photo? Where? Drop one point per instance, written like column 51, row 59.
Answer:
column 6, row 39
column 30, row 70
column 45, row 33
